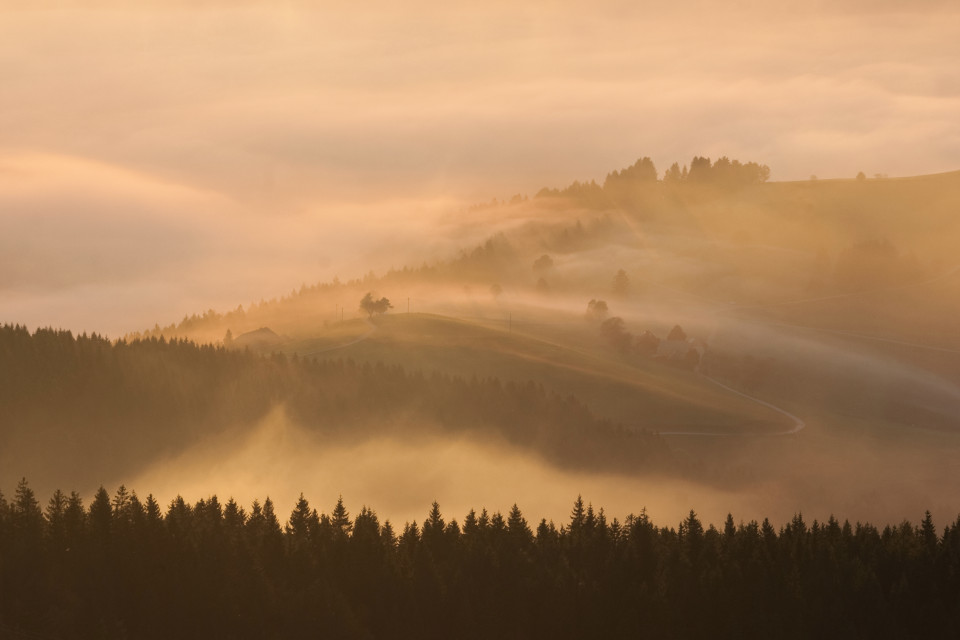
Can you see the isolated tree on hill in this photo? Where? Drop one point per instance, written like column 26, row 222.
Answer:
column 613, row 326
column 597, row 310
column 646, row 343
column 372, row 306
column 543, row 263
column 615, row 332
column 677, row 333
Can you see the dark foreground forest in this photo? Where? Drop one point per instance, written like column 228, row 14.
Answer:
column 127, row 568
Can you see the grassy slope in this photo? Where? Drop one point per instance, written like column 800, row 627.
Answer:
column 639, row 393
column 914, row 212
column 753, row 247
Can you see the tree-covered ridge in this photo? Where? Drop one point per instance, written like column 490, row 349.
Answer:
column 635, row 191
column 97, row 401
column 622, row 187
column 126, row 567
column 494, row 259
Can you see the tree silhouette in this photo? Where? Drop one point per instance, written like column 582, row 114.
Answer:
column 646, row 343
column 433, row 527
column 615, row 332
column 517, row 526
column 371, row 306
column 677, row 333
column 597, row 310
column 340, row 519
column 299, row 528
column 228, row 578
column 673, row 174
column 699, row 170
column 543, row 263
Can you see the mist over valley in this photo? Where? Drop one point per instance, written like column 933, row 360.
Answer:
column 323, row 320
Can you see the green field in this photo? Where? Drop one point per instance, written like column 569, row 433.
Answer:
column 637, row 392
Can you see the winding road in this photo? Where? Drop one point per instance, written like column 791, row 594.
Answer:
column 799, row 424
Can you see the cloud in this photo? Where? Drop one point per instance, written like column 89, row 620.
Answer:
column 172, row 140
column 98, row 247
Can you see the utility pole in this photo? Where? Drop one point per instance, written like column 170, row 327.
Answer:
column 408, row 304
column 510, row 330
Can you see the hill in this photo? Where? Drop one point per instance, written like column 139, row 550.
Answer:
column 639, row 393
column 89, row 410
column 847, row 288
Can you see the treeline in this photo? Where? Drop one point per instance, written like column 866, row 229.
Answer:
column 125, row 567
column 620, row 187
column 243, row 319
column 92, row 404
column 493, row 260
column 675, row 349
column 723, row 173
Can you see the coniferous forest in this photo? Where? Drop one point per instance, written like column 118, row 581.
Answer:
column 129, row 402
column 125, row 567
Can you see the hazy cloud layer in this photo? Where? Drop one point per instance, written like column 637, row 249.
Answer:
column 228, row 151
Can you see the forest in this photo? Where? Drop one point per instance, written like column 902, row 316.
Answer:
column 128, row 567
column 102, row 404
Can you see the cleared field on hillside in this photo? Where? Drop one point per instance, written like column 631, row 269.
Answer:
column 640, row 393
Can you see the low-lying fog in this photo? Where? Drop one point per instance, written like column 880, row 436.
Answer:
column 399, row 478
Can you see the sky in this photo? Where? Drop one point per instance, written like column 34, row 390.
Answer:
column 177, row 156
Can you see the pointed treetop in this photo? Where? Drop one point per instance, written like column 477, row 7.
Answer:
column 340, row 519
